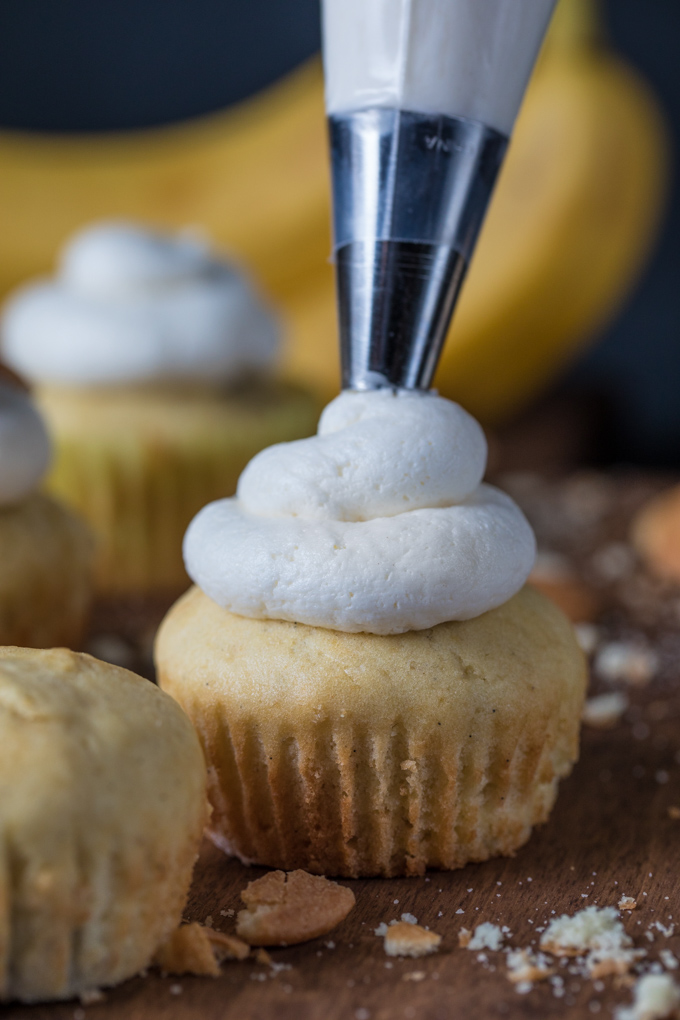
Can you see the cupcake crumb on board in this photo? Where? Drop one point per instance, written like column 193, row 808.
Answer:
column 604, row 710
column 284, row 908
column 627, row 903
column 196, row 949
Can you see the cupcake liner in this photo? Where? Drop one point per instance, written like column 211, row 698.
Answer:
column 343, row 802
column 355, row 785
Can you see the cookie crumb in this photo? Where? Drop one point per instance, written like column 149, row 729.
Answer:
column 283, row 909
column 404, row 939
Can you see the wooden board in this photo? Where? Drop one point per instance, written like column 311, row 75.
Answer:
column 610, row 834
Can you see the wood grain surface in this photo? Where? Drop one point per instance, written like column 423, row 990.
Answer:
column 610, row 834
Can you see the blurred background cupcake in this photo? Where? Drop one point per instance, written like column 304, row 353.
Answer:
column 154, row 364
column 45, row 549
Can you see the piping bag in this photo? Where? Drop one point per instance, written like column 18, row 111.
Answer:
column 421, row 97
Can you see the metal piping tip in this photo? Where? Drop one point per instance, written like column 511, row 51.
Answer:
column 409, row 195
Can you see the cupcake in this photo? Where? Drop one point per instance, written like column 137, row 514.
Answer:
column 102, row 805
column 376, row 690
column 45, row 549
column 154, row 364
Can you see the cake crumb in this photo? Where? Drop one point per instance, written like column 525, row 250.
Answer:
column 655, row 997
column 414, row 975
column 287, row 908
column 674, row 812
column 464, row 937
column 604, row 711
column 627, row 903
column 194, row 949
column 404, row 939
column 525, row 967
column 263, row 957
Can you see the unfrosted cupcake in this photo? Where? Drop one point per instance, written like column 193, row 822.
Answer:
column 102, row 805
column 375, row 690
column 46, row 551
column 154, row 365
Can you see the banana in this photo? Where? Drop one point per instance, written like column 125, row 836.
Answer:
column 568, row 230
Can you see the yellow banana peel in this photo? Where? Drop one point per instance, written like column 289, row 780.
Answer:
column 568, row 231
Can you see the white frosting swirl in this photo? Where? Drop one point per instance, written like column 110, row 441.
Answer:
column 25, row 450
column 378, row 523
column 129, row 305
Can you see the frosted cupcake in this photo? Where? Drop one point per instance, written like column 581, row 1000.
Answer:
column 45, row 549
column 154, row 365
column 375, row 689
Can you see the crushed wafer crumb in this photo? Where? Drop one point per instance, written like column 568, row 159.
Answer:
column 669, row 961
column 486, row 936
column 287, row 908
column 194, row 949
column 90, row 996
column 604, row 711
column 382, row 928
column 665, row 929
column 525, row 967
column 587, row 636
column 628, row 662
column 627, row 903
column 597, row 932
column 404, row 939
column 655, row 997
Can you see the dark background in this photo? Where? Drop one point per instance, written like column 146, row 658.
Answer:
column 93, row 65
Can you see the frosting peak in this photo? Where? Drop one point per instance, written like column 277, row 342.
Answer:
column 378, row 523
column 25, row 450
column 130, row 305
